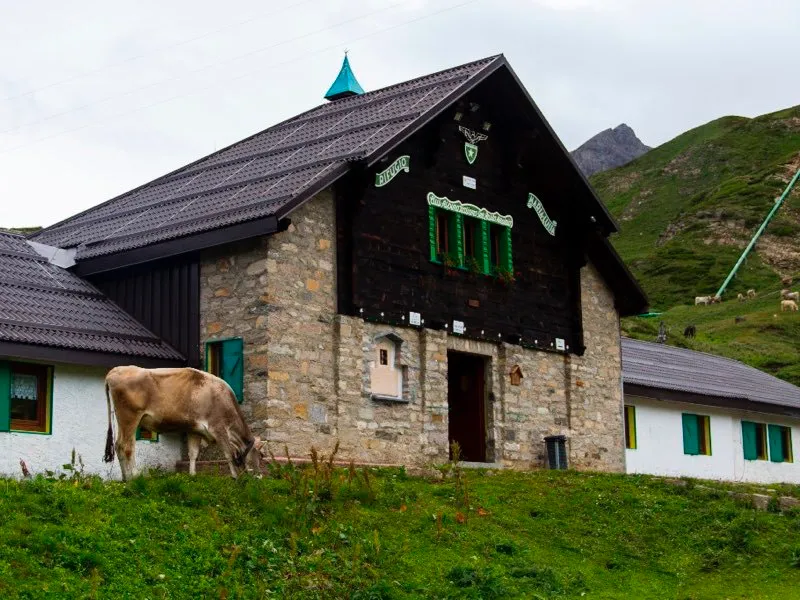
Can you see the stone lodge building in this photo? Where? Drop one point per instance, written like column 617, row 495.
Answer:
column 394, row 270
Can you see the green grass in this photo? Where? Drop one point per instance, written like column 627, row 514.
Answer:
column 669, row 201
column 766, row 339
column 524, row 535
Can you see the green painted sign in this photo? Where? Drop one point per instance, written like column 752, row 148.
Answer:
column 401, row 164
column 536, row 204
column 469, row 210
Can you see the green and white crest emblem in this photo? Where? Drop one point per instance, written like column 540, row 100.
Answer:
column 471, row 145
column 471, row 152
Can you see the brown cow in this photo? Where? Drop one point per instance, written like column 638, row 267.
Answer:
column 177, row 400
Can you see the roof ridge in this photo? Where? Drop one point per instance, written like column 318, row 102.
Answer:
column 488, row 60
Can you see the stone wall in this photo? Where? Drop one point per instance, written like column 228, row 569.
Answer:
column 307, row 368
column 597, row 440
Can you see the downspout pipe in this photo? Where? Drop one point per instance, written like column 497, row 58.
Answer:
column 758, row 233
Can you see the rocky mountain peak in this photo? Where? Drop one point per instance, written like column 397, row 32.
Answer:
column 608, row 149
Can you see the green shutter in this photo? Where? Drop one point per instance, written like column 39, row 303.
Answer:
column 5, row 396
column 484, row 257
column 691, row 434
column 749, row 440
column 505, row 250
column 455, row 224
column 232, row 367
column 775, row 435
column 432, row 231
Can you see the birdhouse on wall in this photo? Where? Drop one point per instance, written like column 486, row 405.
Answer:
column 516, row 375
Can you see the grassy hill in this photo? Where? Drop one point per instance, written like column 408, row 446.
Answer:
column 686, row 211
column 766, row 338
column 387, row 536
column 687, row 208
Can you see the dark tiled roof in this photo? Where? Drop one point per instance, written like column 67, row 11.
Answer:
column 260, row 176
column 666, row 367
column 46, row 305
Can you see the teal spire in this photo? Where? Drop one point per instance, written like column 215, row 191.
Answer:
column 345, row 84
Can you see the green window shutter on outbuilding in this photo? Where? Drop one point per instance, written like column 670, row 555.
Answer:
column 432, row 231
column 749, row 440
column 775, row 435
column 691, row 434
column 232, row 367
column 5, row 396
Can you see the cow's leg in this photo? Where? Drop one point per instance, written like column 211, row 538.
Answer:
column 193, row 444
column 221, row 437
column 126, row 443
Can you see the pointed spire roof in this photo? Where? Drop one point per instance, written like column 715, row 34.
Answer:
column 345, row 84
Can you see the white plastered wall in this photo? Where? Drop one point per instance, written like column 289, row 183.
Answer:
column 659, row 441
column 79, row 421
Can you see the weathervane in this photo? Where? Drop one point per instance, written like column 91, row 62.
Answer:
column 470, row 146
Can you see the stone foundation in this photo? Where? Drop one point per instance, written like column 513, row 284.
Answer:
column 307, row 369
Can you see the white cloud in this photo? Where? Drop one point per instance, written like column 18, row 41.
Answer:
column 153, row 85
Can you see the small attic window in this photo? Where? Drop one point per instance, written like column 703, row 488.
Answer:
column 385, row 370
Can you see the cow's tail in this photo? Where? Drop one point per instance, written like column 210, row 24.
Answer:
column 109, row 455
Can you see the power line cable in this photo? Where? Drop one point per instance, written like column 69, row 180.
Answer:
column 193, row 71
column 249, row 73
column 151, row 52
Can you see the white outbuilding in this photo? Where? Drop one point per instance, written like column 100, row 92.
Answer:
column 691, row 414
column 59, row 335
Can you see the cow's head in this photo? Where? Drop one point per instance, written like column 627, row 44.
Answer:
column 249, row 459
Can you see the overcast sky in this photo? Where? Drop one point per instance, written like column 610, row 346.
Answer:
column 98, row 97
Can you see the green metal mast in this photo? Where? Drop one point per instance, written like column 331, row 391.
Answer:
column 761, row 229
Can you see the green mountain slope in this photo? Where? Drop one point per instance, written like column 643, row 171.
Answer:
column 686, row 211
column 687, row 208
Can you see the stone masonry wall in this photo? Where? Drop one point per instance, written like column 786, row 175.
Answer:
column 307, row 369
column 597, row 439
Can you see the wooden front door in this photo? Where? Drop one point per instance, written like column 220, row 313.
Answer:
column 465, row 399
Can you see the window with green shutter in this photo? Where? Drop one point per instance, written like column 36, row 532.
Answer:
column 780, row 444
column 26, row 397
column 500, row 249
column 470, row 243
column 754, row 440
column 225, row 359
column 696, row 434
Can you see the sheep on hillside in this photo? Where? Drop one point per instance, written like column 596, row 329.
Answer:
column 788, row 305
